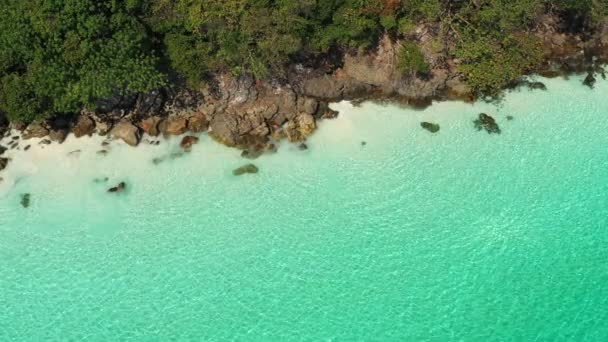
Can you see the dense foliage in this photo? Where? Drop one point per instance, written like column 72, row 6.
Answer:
column 57, row 56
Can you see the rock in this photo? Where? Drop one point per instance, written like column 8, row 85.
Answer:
column 35, row 130
column 510, row 118
column 16, row 137
column 198, row 123
column 127, row 132
column 102, row 152
column 301, row 128
column 27, row 147
column 302, row 147
column 252, row 154
column 119, row 188
column 363, row 143
column 103, row 127
column 25, row 200
column 537, row 86
column 174, row 126
column 150, row 125
column 105, row 143
column 3, row 163
column 224, row 128
column 431, row 127
column 2, row 150
column 13, row 145
column 74, row 153
column 590, row 80
column 84, row 126
column 310, row 106
column 246, row 169
column 58, row 135
column 158, row 160
column 187, row 142
column 486, row 122
column 101, row 180
column 45, row 142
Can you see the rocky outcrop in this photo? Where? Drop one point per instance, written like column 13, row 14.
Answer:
column 174, row 125
column 127, row 132
column 300, row 128
column 150, row 125
column 198, row 123
column 25, row 200
column 84, row 126
column 35, row 130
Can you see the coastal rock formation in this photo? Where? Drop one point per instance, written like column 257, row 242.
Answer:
column 150, row 125
column 84, row 126
column 431, row 127
column 198, row 123
column 128, row 132
column 487, row 123
column 246, row 169
column 175, row 125
column 35, row 130
column 302, row 127
column 119, row 188
column 188, row 142
column 2, row 150
column 58, row 135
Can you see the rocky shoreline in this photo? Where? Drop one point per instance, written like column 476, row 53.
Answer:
column 254, row 115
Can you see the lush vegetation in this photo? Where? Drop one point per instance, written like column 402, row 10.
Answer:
column 57, row 56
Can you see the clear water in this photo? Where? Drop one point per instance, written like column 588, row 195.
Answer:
column 456, row 236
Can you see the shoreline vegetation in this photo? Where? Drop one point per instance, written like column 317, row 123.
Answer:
column 252, row 73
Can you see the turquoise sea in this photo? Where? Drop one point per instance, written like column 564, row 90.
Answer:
column 454, row 236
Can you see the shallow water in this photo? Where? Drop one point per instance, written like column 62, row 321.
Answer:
column 458, row 235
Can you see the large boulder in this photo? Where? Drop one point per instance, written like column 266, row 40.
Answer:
column 175, row 125
column 150, row 125
column 35, row 130
column 188, row 141
column 84, row 126
column 58, row 135
column 127, row 132
column 224, row 128
column 198, row 123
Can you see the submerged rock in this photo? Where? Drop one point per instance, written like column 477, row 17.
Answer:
column 45, row 142
column 510, row 118
column 25, row 200
column 487, row 123
column 188, row 142
column 101, row 180
column 3, row 163
column 431, row 127
column 27, row 147
column 2, row 150
column 246, row 169
column 252, row 153
column 119, row 188
column 102, row 152
column 364, row 143
column 302, row 147
column 590, row 80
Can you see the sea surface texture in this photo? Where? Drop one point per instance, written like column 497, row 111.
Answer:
column 380, row 231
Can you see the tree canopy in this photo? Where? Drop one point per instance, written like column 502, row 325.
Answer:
column 57, row 56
